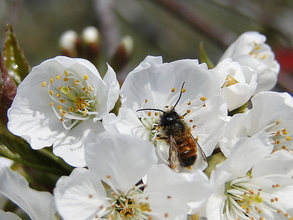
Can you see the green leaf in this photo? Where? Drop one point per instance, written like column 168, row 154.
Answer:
column 203, row 56
column 15, row 61
column 18, row 150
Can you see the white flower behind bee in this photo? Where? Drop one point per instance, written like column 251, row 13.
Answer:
column 251, row 50
column 59, row 102
column 238, row 83
column 157, row 85
column 120, row 162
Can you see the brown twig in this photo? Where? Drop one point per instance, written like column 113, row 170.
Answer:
column 192, row 17
column 108, row 25
column 254, row 13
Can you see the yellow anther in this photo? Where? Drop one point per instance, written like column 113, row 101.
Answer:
column 84, row 112
column 51, row 92
column 257, row 47
column 203, row 98
column 189, row 168
column 66, row 73
column 145, row 101
column 288, row 138
column 59, row 107
column 75, row 83
column 188, row 111
column 58, row 77
column 263, row 56
column 183, row 90
column 62, row 100
column 66, row 79
column 44, row 84
column 51, row 103
column 62, row 119
column 284, row 131
column 70, row 109
column 189, row 103
column 230, row 81
column 173, row 90
column 51, row 80
column 85, row 77
column 58, row 95
column 149, row 113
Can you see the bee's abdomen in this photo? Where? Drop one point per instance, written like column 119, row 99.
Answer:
column 186, row 151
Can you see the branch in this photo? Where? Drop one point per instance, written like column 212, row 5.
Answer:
column 192, row 17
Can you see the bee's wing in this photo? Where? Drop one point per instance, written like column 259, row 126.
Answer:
column 173, row 154
column 199, row 150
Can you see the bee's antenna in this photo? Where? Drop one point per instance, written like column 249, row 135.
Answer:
column 150, row 109
column 181, row 91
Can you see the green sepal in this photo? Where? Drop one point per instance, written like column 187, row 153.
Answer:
column 213, row 161
column 241, row 109
column 203, row 56
column 14, row 58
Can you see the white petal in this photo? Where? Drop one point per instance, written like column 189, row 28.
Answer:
column 280, row 162
column 269, row 107
column 150, row 84
column 209, row 120
column 71, row 147
column 4, row 162
column 30, row 115
column 245, row 154
column 8, row 216
column 113, row 88
column 84, row 64
column 38, row 205
column 121, row 158
column 183, row 188
column 214, row 207
column 80, row 196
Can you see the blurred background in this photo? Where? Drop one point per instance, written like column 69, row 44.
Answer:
column 170, row 28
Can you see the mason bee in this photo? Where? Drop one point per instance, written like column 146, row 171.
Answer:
column 183, row 147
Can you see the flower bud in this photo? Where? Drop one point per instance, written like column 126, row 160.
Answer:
column 69, row 43
column 91, row 39
column 123, row 53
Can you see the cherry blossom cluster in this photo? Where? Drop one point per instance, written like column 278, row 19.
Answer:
column 242, row 132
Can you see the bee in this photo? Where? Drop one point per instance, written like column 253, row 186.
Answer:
column 183, row 147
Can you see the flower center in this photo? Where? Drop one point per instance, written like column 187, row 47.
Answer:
column 246, row 200
column 72, row 98
column 278, row 133
column 127, row 205
column 230, row 80
column 257, row 52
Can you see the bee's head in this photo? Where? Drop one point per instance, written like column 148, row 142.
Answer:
column 169, row 118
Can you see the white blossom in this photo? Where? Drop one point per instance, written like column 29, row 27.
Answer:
column 238, row 83
column 251, row 50
column 59, row 102
column 120, row 162
column 158, row 85
column 252, row 184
